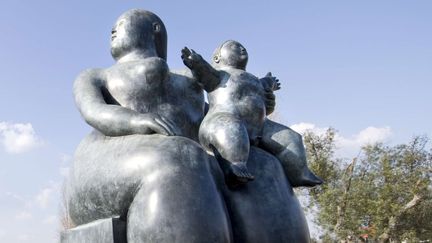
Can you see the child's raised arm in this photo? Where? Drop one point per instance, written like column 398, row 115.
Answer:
column 206, row 75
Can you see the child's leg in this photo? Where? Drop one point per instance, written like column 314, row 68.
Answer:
column 287, row 146
column 227, row 137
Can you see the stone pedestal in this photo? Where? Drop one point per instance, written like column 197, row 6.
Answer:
column 112, row 230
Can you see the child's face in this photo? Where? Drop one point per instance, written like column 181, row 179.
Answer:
column 234, row 54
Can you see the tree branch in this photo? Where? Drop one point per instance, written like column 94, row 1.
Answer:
column 343, row 205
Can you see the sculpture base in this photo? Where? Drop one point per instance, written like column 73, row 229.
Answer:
column 112, row 230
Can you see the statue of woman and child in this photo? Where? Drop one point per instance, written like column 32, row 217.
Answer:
column 173, row 168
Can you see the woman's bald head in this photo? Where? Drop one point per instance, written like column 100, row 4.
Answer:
column 138, row 29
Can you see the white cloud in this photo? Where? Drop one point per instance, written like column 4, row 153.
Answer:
column 65, row 158
column 23, row 215
column 15, row 196
column 50, row 220
column 24, row 237
column 373, row 135
column 44, row 197
column 303, row 127
column 64, row 169
column 18, row 137
column 349, row 146
column 47, row 195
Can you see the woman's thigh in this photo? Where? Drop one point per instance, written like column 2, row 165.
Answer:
column 108, row 172
column 266, row 209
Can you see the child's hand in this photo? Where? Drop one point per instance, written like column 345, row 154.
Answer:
column 270, row 82
column 190, row 57
column 273, row 81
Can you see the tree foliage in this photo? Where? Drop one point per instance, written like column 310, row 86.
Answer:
column 384, row 194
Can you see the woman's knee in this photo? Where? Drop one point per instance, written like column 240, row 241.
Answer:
column 190, row 202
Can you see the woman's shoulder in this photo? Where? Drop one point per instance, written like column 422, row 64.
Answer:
column 183, row 78
column 92, row 78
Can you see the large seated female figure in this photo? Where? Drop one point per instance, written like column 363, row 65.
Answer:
column 142, row 161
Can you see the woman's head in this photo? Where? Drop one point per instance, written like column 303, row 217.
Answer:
column 138, row 29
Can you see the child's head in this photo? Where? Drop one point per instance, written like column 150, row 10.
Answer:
column 231, row 53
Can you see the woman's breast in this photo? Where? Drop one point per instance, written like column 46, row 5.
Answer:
column 139, row 86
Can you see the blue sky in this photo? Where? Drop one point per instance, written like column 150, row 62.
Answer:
column 363, row 67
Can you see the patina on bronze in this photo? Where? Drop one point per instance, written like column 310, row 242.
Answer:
column 143, row 166
column 238, row 105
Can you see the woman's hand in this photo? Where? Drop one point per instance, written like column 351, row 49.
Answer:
column 151, row 123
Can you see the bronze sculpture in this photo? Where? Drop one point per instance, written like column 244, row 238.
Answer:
column 239, row 103
column 143, row 164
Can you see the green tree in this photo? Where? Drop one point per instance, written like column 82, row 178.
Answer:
column 384, row 194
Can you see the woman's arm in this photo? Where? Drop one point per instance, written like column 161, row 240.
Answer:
column 111, row 119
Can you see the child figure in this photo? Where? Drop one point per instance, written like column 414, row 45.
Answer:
column 237, row 111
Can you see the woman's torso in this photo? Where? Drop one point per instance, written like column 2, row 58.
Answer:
column 147, row 86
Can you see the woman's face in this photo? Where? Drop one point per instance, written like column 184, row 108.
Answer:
column 121, row 37
column 118, row 31
column 138, row 30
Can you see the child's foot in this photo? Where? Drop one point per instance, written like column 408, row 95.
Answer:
column 238, row 174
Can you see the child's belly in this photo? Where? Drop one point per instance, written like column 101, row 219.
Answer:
column 250, row 109
column 252, row 112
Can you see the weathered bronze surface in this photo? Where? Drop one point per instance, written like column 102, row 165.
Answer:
column 144, row 165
